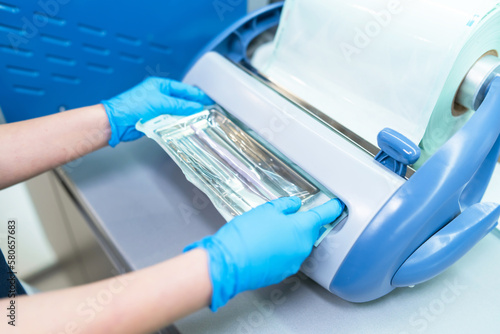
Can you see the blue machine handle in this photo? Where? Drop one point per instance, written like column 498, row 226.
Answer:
column 234, row 41
column 447, row 185
column 448, row 245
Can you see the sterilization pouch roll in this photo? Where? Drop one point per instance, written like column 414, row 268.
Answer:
column 371, row 64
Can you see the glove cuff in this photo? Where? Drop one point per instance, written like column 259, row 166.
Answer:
column 115, row 136
column 222, row 271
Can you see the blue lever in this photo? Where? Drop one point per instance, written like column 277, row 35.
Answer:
column 448, row 245
column 397, row 151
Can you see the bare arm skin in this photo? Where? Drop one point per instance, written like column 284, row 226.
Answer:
column 139, row 302
column 32, row 147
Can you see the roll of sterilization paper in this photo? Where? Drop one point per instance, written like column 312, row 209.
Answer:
column 371, row 64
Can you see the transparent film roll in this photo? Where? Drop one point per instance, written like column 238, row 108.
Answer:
column 372, row 64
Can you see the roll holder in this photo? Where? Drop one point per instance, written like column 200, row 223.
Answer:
column 476, row 84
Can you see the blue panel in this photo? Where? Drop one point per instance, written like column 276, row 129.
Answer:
column 74, row 53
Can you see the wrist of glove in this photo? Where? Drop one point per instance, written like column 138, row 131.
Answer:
column 263, row 246
column 153, row 97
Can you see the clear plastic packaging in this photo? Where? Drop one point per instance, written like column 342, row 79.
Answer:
column 235, row 170
column 372, row 64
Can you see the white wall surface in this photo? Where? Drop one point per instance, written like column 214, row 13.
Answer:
column 493, row 191
column 34, row 252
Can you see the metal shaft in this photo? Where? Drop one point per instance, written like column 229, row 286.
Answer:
column 475, row 85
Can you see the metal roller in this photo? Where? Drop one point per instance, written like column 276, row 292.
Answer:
column 475, row 85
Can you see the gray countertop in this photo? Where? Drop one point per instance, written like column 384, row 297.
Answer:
column 144, row 211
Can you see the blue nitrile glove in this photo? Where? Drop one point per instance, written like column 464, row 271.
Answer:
column 153, row 97
column 263, row 246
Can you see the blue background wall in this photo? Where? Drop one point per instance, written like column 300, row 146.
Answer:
column 73, row 53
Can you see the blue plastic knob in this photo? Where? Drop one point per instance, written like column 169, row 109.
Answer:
column 397, row 151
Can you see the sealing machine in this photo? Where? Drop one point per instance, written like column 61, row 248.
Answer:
column 401, row 227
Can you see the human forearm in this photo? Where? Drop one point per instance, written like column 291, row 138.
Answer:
column 140, row 302
column 35, row 146
column 32, row 147
column 257, row 249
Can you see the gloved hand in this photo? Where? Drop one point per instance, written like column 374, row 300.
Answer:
column 153, row 97
column 263, row 246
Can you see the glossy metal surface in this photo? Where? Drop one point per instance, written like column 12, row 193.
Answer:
column 477, row 82
column 235, row 169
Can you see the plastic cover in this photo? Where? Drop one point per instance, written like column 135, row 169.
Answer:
column 372, row 64
column 236, row 171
